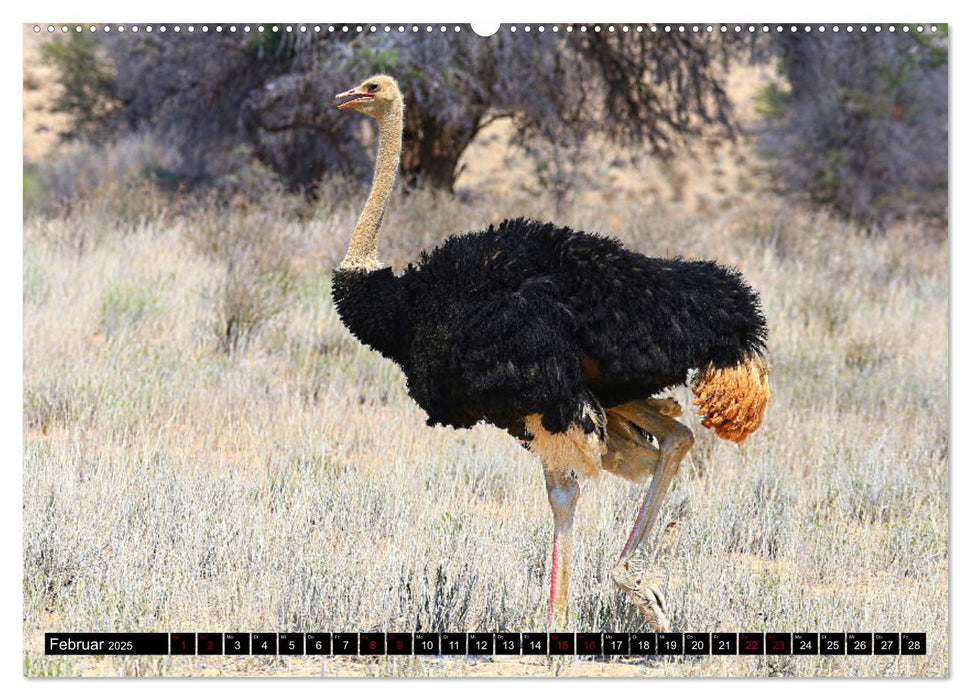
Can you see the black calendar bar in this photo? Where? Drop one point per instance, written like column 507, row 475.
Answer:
column 485, row 643
column 291, row 644
column 509, row 644
column 372, row 643
column 616, row 643
column 182, row 644
column 318, row 644
column 778, row 643
column 105, row 644
column 263, row 643
column 455, row 643
column 427, row 644
column 859, row 643
column 535, row 644
column 805, row 643
column 345, row 643
column 724, row 643
column 751, row 643
column 400, row 643
column 481, row 643
column 913, row 643
column 886, row 643
column 563, row 643
column 589, row 644
column 832, row 643
column 237, row 643
column 671, row 643
column 643, row 644
column 696, row 643
column 210, row 644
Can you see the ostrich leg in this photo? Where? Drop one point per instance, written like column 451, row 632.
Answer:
column 632, row 458
column 563, row 491
column 674, row 441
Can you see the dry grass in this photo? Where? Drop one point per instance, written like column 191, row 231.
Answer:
column 293, row 485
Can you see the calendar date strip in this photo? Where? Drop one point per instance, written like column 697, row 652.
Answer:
column 598, row 644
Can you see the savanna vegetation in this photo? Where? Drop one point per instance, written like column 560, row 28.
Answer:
column 207, row 448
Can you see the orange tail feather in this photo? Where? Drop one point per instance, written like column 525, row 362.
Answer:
column 732, row 400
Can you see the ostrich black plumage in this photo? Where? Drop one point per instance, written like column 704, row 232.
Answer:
column 562, row 338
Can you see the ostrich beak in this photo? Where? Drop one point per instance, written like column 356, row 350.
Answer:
column 354, row 96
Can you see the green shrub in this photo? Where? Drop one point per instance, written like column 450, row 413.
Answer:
column 861, row 127
column 125, row 306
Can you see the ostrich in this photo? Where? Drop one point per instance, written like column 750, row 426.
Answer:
column 562, row 338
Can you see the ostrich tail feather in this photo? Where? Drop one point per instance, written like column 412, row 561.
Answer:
column 732, row 400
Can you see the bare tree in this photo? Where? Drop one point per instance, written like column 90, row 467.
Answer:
column 224, row 98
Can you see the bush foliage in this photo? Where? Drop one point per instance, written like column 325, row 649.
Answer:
column 861, row 125
column 224, row 98
column 855, row 122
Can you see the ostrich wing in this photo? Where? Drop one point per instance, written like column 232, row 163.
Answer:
column 517, row 355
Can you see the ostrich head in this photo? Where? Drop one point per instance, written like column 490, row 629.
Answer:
column 377, row 96
column 380, row 98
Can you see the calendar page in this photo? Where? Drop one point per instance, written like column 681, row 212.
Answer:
column 605, row 349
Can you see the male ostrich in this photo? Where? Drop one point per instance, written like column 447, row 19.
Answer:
column 563, row 339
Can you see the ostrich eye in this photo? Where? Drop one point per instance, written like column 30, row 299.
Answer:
column 373, row 87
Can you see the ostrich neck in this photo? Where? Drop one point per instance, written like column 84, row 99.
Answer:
column 362, row 254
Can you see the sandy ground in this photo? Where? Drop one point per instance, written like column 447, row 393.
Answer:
column 41, row 125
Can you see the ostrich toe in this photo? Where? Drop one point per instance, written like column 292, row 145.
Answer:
column 666, row 407
column 645, row 595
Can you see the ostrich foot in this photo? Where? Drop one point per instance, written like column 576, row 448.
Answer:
column 645, row 595
column 666, row 407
